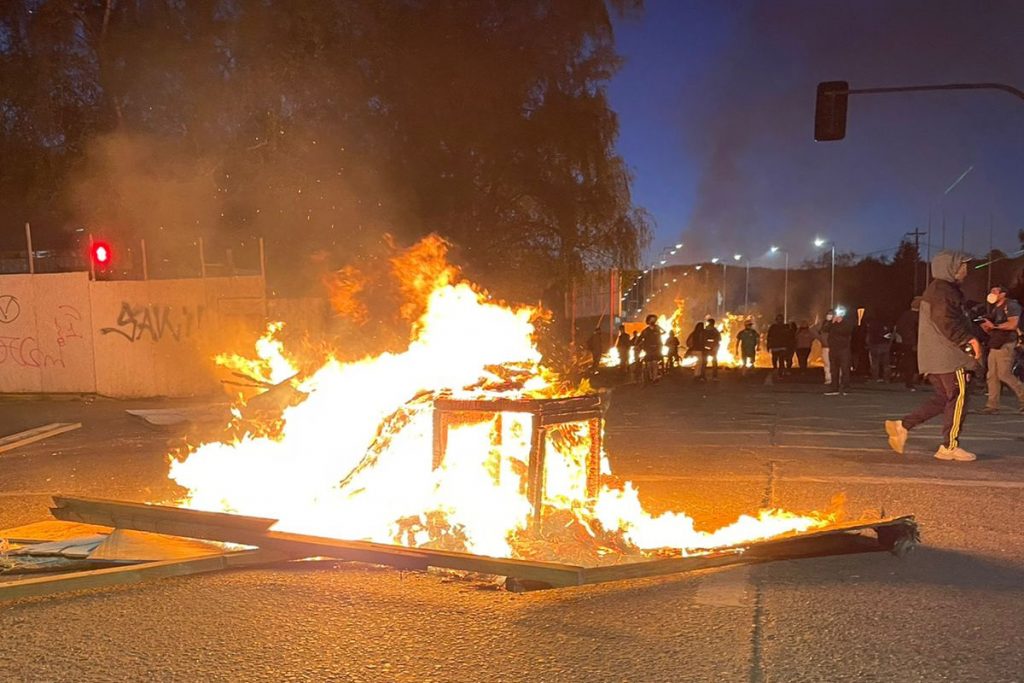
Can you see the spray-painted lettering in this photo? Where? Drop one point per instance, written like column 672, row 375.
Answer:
column 156, row 322
column 25, row 352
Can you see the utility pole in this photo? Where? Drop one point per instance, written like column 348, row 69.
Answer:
column 917, row 252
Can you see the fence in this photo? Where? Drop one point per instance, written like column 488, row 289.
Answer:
column 61, row 332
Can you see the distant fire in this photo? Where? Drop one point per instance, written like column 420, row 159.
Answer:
column 354, row 459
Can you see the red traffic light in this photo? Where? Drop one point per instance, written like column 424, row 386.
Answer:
column 101, row 253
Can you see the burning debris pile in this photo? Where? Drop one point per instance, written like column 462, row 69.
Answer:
column 460, row 451
column 356, row 459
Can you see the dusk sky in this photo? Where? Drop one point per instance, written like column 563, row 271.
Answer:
column 716, row 107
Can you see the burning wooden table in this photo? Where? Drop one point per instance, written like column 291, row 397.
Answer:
column 545, row 414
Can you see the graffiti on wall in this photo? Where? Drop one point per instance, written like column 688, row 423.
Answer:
column 156, row 322
column 10, row 308
column 26, row 351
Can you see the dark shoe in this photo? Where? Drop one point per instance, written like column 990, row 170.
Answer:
column 989, row 411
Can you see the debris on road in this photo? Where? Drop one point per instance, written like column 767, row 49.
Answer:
column 159, row 541
column 28, row 436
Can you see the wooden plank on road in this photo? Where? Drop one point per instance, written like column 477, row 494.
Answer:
column 235, row 529
column 28, row 436
column 115, row 576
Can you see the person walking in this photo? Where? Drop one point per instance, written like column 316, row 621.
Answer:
column 623, row 344
column 906, row 341
column 826, row 360
column 879, row 342
column 804, row 341
column 840, row 341
column 944, row 334
column 712, row 340
column 1001, row 323
column 650, row 345
column 695, row 347
column 778, row 344
column 746, row 344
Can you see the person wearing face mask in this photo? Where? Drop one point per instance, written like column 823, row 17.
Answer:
column 823, row 339
column 946, row 350
column 1000, row 323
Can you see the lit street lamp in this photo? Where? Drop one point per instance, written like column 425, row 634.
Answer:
column 819, row 242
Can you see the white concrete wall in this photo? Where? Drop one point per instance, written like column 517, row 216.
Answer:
column 46, row 343
column 63, row 333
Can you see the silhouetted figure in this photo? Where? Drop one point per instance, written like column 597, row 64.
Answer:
column 747, row 342
column 779, row 344
column 804, row 341
column 623, row 344
column 906, row 344
column 712, row 341
column 840, row 342
column 878, row 337
column 673, row 349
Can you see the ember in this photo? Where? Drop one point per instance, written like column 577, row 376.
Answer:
column 457, row 442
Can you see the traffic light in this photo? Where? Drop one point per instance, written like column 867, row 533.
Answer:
column 101, row 255
column 830, row 111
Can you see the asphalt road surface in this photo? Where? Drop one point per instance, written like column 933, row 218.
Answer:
column 953, row 610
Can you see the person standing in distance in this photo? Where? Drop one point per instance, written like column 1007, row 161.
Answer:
column 1001, row 324
column 946, row 350
column 840, row 342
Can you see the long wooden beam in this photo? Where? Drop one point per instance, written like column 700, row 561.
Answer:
column 222, row 527
column 832, row 540
column 148, row 571
column 252, row 531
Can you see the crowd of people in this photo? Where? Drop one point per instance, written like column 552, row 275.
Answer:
column 942, row 340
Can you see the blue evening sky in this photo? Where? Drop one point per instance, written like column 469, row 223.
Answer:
column 715, row 103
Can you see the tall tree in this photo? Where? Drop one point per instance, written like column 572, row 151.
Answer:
column 324, row 123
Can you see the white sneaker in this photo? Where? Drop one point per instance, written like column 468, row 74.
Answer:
column 955, row 454
column 897, row 435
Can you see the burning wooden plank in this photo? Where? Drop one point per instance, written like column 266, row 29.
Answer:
column 896, row 534
column 253, row 531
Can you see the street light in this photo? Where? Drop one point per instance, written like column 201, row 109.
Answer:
column 819, row 242
column 785, row 285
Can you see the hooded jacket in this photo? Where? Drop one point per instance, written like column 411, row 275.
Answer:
column 943, row 327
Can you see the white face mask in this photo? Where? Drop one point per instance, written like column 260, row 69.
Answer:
column 992, row 298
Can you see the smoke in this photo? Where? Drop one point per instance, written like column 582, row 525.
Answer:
column 311, row 210
column 751, row 130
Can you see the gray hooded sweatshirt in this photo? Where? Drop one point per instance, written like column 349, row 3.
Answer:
column 944, row 328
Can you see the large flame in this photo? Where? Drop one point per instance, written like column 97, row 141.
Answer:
column 354, row 459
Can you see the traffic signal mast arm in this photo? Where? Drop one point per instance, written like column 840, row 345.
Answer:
column 832, row 98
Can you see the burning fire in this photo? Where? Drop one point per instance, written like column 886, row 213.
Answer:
column 354, row 459
column 270, row 366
